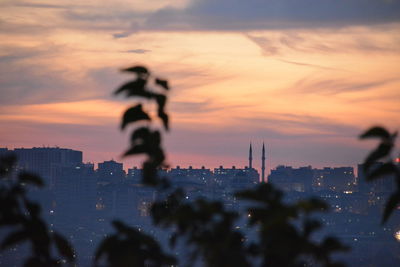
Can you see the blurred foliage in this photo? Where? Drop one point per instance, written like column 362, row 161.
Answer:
column 144, row 140
column 206, row 227
column 130, row 247
column 285, row 230
column 23, row 217
column 382, row 154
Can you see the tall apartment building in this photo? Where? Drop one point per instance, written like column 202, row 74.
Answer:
column 47, row 161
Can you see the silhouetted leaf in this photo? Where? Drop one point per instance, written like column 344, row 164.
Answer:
column 155, row 141
column 312, row 205
column 63, row 247
column 140, row 135
column 136, row 149
column 124, row 229
column 383, row 150
column 6, row 163
column 26, row 177
column 161, row 100
column 172, row 240
column 391, row 204
column 106, row 246
column 137, row 69
column 164, row 117
column 17, row 190
column 376, row 132
column 332, row 244
column 134, row 114
column 134, row 88
column 383, row 170
column 14, row 238
column 261, row 193
column 33, row 208
column 162, row 83
column 34, row 262
column 150, row 173
column 310, row 226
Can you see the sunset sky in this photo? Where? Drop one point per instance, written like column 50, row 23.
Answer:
column 304, row 76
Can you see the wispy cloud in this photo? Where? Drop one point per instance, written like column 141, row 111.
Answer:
column 268, row 46
column 334, row 87
column 38, row 5
column 308, row 65
column 121, row 35
column 137, row 51
column 301, row 126
column 326, row 42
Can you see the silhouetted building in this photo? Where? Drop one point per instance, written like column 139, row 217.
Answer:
column 236, row 179
column 134, row 175
column 110, row 172
column 75, row 193
column 197, row 182
column 191, row 175
column 4, row 151
column 339, row 179
column 291, row 179
column 306, row 179
column 47, row 161
column 385, row 184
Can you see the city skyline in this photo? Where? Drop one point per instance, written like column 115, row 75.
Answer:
column 250, row 159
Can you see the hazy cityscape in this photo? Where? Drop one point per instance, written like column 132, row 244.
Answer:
column 200, row 133
column 81, row 199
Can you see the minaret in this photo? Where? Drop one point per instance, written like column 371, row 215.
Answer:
column 250, row 157
column 263, row 164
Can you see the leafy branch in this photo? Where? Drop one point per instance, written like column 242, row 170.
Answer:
column 374, row 171
column 282, row 242
column 144, row 140
column 24, row 217
column 129, row 246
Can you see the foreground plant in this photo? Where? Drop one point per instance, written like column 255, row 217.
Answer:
column 387, row 169
column 23, row 217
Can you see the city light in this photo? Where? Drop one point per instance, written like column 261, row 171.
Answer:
column 397, row 235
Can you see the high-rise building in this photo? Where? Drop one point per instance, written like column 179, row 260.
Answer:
column 47, row 161
column 4, row 151
column 134, row 175
column 74, row 193
column 384, row 184
column 110, row 171
column 338, row 179
column 236, row 178
column 292, row 179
